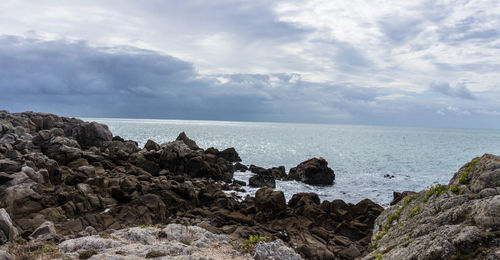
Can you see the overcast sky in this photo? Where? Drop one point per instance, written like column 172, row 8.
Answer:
column 410, row 63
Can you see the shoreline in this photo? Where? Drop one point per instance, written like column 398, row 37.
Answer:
column 76, row 174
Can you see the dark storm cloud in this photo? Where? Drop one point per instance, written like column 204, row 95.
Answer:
column 75, row 79
column 460, row 91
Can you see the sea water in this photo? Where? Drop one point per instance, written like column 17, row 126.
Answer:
column 359, row 155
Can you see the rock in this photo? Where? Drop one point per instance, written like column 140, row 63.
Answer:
column 240, row 167
column 262, row 180
column 45, row 232
column 274, row 250
column 9, row 166
column 190, row 143
column 230, row 155
column 6, row 227
column 268, row 200
column 313, row 171
column 4, row 178
column 151, row 146
column 446, row 221
column 397, row 196
column 5, row 255
column 91, row 134
column 279, row 173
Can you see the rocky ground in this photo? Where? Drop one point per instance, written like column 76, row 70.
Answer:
column 460, row 220
column 61, row 177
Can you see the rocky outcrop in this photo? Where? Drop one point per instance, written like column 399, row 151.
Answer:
column 8, row 232
column 62, row 178
column 190, row 143
column 313, row 171
column 460, row 220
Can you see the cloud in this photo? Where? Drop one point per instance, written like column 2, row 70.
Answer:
column 460, row 90
column 315, row 61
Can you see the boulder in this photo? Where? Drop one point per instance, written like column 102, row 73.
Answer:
column 7, row 228
column 240, row 167
column 268, row 200
column 230, row 155
column 313, row 171
column 190, row 143
column 45, row 232
column 9, row 166
column 151, row 146
column 262, row 180
column 91, row 134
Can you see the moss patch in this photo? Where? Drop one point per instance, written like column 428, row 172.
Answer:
column 465, row 178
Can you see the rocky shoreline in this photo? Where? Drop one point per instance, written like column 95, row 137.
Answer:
column 63, row 180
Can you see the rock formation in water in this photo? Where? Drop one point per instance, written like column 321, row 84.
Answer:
column 460, row 220
column 63, row 178
column 313, row 171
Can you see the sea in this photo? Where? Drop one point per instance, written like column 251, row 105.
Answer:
column 360, row 155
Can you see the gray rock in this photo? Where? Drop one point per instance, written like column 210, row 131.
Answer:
column 152, row 146
column 45, row 232
column 6, row 226
column 453, row 222
column 5, row 255
column 190, row 143
column 274, row 250
column 9, row 166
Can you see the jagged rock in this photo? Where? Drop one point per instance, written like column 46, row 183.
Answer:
column 240, row 167
column 448, row 221
column 313, row 171
column 274, row 250
column 5, row 255
column 190, row 143
column 45, row 232
column 262, row 180
column 268, row 200
column 6, row 227
column 230, row 155
column 152, row 145
column 9, row 166
column 91, row 134
column 397, row 196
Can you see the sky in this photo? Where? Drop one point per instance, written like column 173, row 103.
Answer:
column 427, row 63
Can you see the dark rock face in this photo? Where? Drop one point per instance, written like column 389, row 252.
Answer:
column 262, row 180
column 240, row 167
column 313, row 171
column 230, row 155
column 74, row 175
column 91, row 134
column 398, row 196
column 190, row 143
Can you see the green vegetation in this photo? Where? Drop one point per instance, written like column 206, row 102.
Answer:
column 249, row 244
column 148, row 226
column 155, row 254
column 454, row 189
column 414, row 211
column 87, row 254
column 438, row 190
column 185, row 242
column 465, row 178
column 379, row 256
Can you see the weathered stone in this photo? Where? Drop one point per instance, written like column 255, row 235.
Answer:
column 190, row 143
column 6, row 226
column 313, row 171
